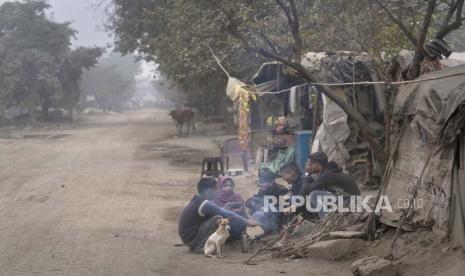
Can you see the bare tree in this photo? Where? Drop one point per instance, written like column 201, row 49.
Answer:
column 424, row 12
column 273, row 50
column 452, row 20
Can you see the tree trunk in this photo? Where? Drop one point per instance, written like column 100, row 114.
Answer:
column 45, row 105
column 71, row 114
column 415, row 68
column 414, row 71
column 366, row 133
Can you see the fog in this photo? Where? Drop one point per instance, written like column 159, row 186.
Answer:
column 85, row 18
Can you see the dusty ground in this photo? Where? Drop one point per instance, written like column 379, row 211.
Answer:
column 103, row 198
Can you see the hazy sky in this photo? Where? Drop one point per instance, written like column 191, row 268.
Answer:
column 88, row 21
column 85, row 18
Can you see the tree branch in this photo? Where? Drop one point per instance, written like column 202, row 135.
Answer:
column 295, row 30
column 414, row 71
column 451, row 10
column 292, row 16
column 446, row 28
column 399, row 23
column 426, row 24
column 286, row 11
column 275, row 47
column 366, row 132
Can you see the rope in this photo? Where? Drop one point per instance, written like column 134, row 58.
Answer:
column 276, row 92
column 219, row 63
column 392, row 83
column 362, row 83
column 338, row 84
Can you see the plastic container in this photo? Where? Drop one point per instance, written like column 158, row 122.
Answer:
column 303, row 139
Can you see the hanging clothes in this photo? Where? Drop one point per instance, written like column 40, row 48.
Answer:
column 305, row 109
column 293, row 101
column 245, row 130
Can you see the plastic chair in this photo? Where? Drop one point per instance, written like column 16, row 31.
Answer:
column 232, row 148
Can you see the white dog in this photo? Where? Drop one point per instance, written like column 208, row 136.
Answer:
column 216, row 241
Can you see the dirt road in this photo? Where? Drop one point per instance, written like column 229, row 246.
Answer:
column 104, row 198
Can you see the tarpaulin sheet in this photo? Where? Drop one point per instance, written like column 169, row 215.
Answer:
column 369, row 100
column 332, row 133
column 457, row 231
column 431, row 115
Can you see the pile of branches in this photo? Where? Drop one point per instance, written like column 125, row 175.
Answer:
column 282, row 244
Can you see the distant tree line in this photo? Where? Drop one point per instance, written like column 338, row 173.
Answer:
column 111, row 82
column 39, row 69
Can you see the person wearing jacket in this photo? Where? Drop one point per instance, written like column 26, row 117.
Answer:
column 199, row 218
column 270, row 222
column 291, row 173
column 330, row 181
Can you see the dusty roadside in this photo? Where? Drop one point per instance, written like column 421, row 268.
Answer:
column 104, row 198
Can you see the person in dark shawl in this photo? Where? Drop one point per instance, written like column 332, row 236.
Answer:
column 226, row 198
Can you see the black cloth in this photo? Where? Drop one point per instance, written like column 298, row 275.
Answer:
column 333, row 180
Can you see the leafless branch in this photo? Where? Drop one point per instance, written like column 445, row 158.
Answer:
column 270, row 44
column 419, row 55
column 273, row 45
column 295, row 28
column 292, row 16
column 286, row 11
column 457, row 8
column 399, row 23
column 450, row 12
column 367, row 133
column 426, row 23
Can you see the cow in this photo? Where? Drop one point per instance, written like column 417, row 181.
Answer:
column 183, row 116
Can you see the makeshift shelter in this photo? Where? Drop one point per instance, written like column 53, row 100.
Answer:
column 301, row 103
column 336, row 136
column 275, row 92
column 401, row 63
column 428, row 157
column 293, row 101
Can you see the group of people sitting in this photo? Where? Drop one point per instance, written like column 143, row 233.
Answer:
column 217, row 199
